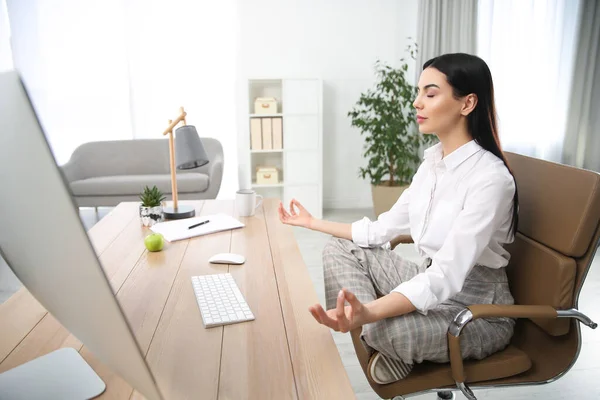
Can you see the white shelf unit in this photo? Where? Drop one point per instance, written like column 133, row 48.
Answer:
column 267, row 186
column 300, row 162
column 266, row 151
column 265, row 115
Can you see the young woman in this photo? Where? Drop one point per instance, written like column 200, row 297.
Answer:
column 460, row 209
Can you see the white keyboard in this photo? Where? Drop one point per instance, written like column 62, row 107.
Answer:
column 220, row 300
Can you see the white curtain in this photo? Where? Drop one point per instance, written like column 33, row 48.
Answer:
column 71, row 56
column 183, row 53
column 6, row 60
column 120, row 69
column 530, row 46
column 582, row 139
column 445, row 26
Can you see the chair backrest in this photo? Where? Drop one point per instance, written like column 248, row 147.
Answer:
column 557, row 237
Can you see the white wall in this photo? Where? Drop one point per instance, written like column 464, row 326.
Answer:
column 337, row 41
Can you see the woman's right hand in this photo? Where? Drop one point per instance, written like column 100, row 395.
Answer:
column 301, row 217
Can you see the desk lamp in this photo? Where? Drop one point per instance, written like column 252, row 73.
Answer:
column 187, row 152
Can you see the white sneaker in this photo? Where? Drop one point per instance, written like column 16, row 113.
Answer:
column 384, row 370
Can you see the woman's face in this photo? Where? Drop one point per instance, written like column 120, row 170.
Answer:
column 438, row 111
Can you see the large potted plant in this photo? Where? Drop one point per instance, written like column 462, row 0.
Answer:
column 386, row 117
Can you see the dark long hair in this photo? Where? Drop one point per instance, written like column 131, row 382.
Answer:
column 470, row 74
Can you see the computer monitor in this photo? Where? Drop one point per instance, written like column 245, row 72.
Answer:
column 44, row 242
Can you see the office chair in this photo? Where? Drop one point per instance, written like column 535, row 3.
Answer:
column 558, row 234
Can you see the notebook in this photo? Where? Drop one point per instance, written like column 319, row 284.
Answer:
column 178, row 230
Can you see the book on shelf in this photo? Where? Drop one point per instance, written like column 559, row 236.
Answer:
column 267, row 136
column 277, row 133
column 255, row 134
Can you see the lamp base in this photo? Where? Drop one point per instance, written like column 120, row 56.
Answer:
column 181, row 212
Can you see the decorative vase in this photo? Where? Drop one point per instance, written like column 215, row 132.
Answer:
column 151, row 215
column 384, row 197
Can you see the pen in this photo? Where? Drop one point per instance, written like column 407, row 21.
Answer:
column 198, row 224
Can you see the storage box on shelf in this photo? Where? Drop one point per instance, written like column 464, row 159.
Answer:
column 267, row 169
column 265, row 105
column 267, row 176
column 286, row 135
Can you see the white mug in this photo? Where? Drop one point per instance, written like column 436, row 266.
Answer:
column 245, row 202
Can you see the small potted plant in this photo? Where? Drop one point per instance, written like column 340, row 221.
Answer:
column 151, row 210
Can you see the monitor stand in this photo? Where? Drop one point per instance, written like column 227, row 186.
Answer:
column 62, row 374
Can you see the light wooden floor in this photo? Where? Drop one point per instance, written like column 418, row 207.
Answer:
column 582, row 382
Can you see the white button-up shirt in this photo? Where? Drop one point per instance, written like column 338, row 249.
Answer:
column 458, row 211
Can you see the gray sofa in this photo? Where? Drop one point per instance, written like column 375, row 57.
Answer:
column 109, row 172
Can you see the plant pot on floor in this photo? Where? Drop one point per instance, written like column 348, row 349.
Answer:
column 384, row 197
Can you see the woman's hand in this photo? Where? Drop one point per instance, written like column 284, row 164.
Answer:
column 343, row 318
column 297, row 218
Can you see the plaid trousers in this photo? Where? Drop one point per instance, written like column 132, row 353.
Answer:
column 373, row 272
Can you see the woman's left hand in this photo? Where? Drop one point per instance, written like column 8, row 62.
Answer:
column 342, row 318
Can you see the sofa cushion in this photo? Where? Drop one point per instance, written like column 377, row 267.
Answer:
column 134, row 184
column 121, row 157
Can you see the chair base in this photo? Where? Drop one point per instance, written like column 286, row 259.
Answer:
column 446, row 395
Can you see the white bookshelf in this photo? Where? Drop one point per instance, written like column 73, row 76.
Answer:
column 300, row 161
column 266, row 151
column 265, row 115
column 267, row 186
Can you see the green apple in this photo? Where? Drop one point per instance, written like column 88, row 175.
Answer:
column 154, row 242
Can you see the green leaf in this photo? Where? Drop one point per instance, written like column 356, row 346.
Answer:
column 386, row 119
column 151, row 197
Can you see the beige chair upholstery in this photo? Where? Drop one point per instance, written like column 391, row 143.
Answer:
column 558, row 234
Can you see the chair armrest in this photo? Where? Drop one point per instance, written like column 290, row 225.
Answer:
column 519, row 311
column 511, row 311
column 474, row 312
column 401, row 239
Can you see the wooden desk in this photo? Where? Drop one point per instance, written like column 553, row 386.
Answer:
column 283, row 354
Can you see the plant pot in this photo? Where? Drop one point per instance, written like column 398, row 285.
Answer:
column 384, row 197
column 151, row 215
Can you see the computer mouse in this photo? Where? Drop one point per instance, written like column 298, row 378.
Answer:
column 227, row 258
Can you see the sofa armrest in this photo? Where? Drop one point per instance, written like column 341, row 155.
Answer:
column 71, row 171
column 215, row 175
column 474, row 312
column 214, row 168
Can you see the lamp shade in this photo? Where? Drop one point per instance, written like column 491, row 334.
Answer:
column 189, row 151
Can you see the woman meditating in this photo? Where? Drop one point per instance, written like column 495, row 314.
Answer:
column 460, row 209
